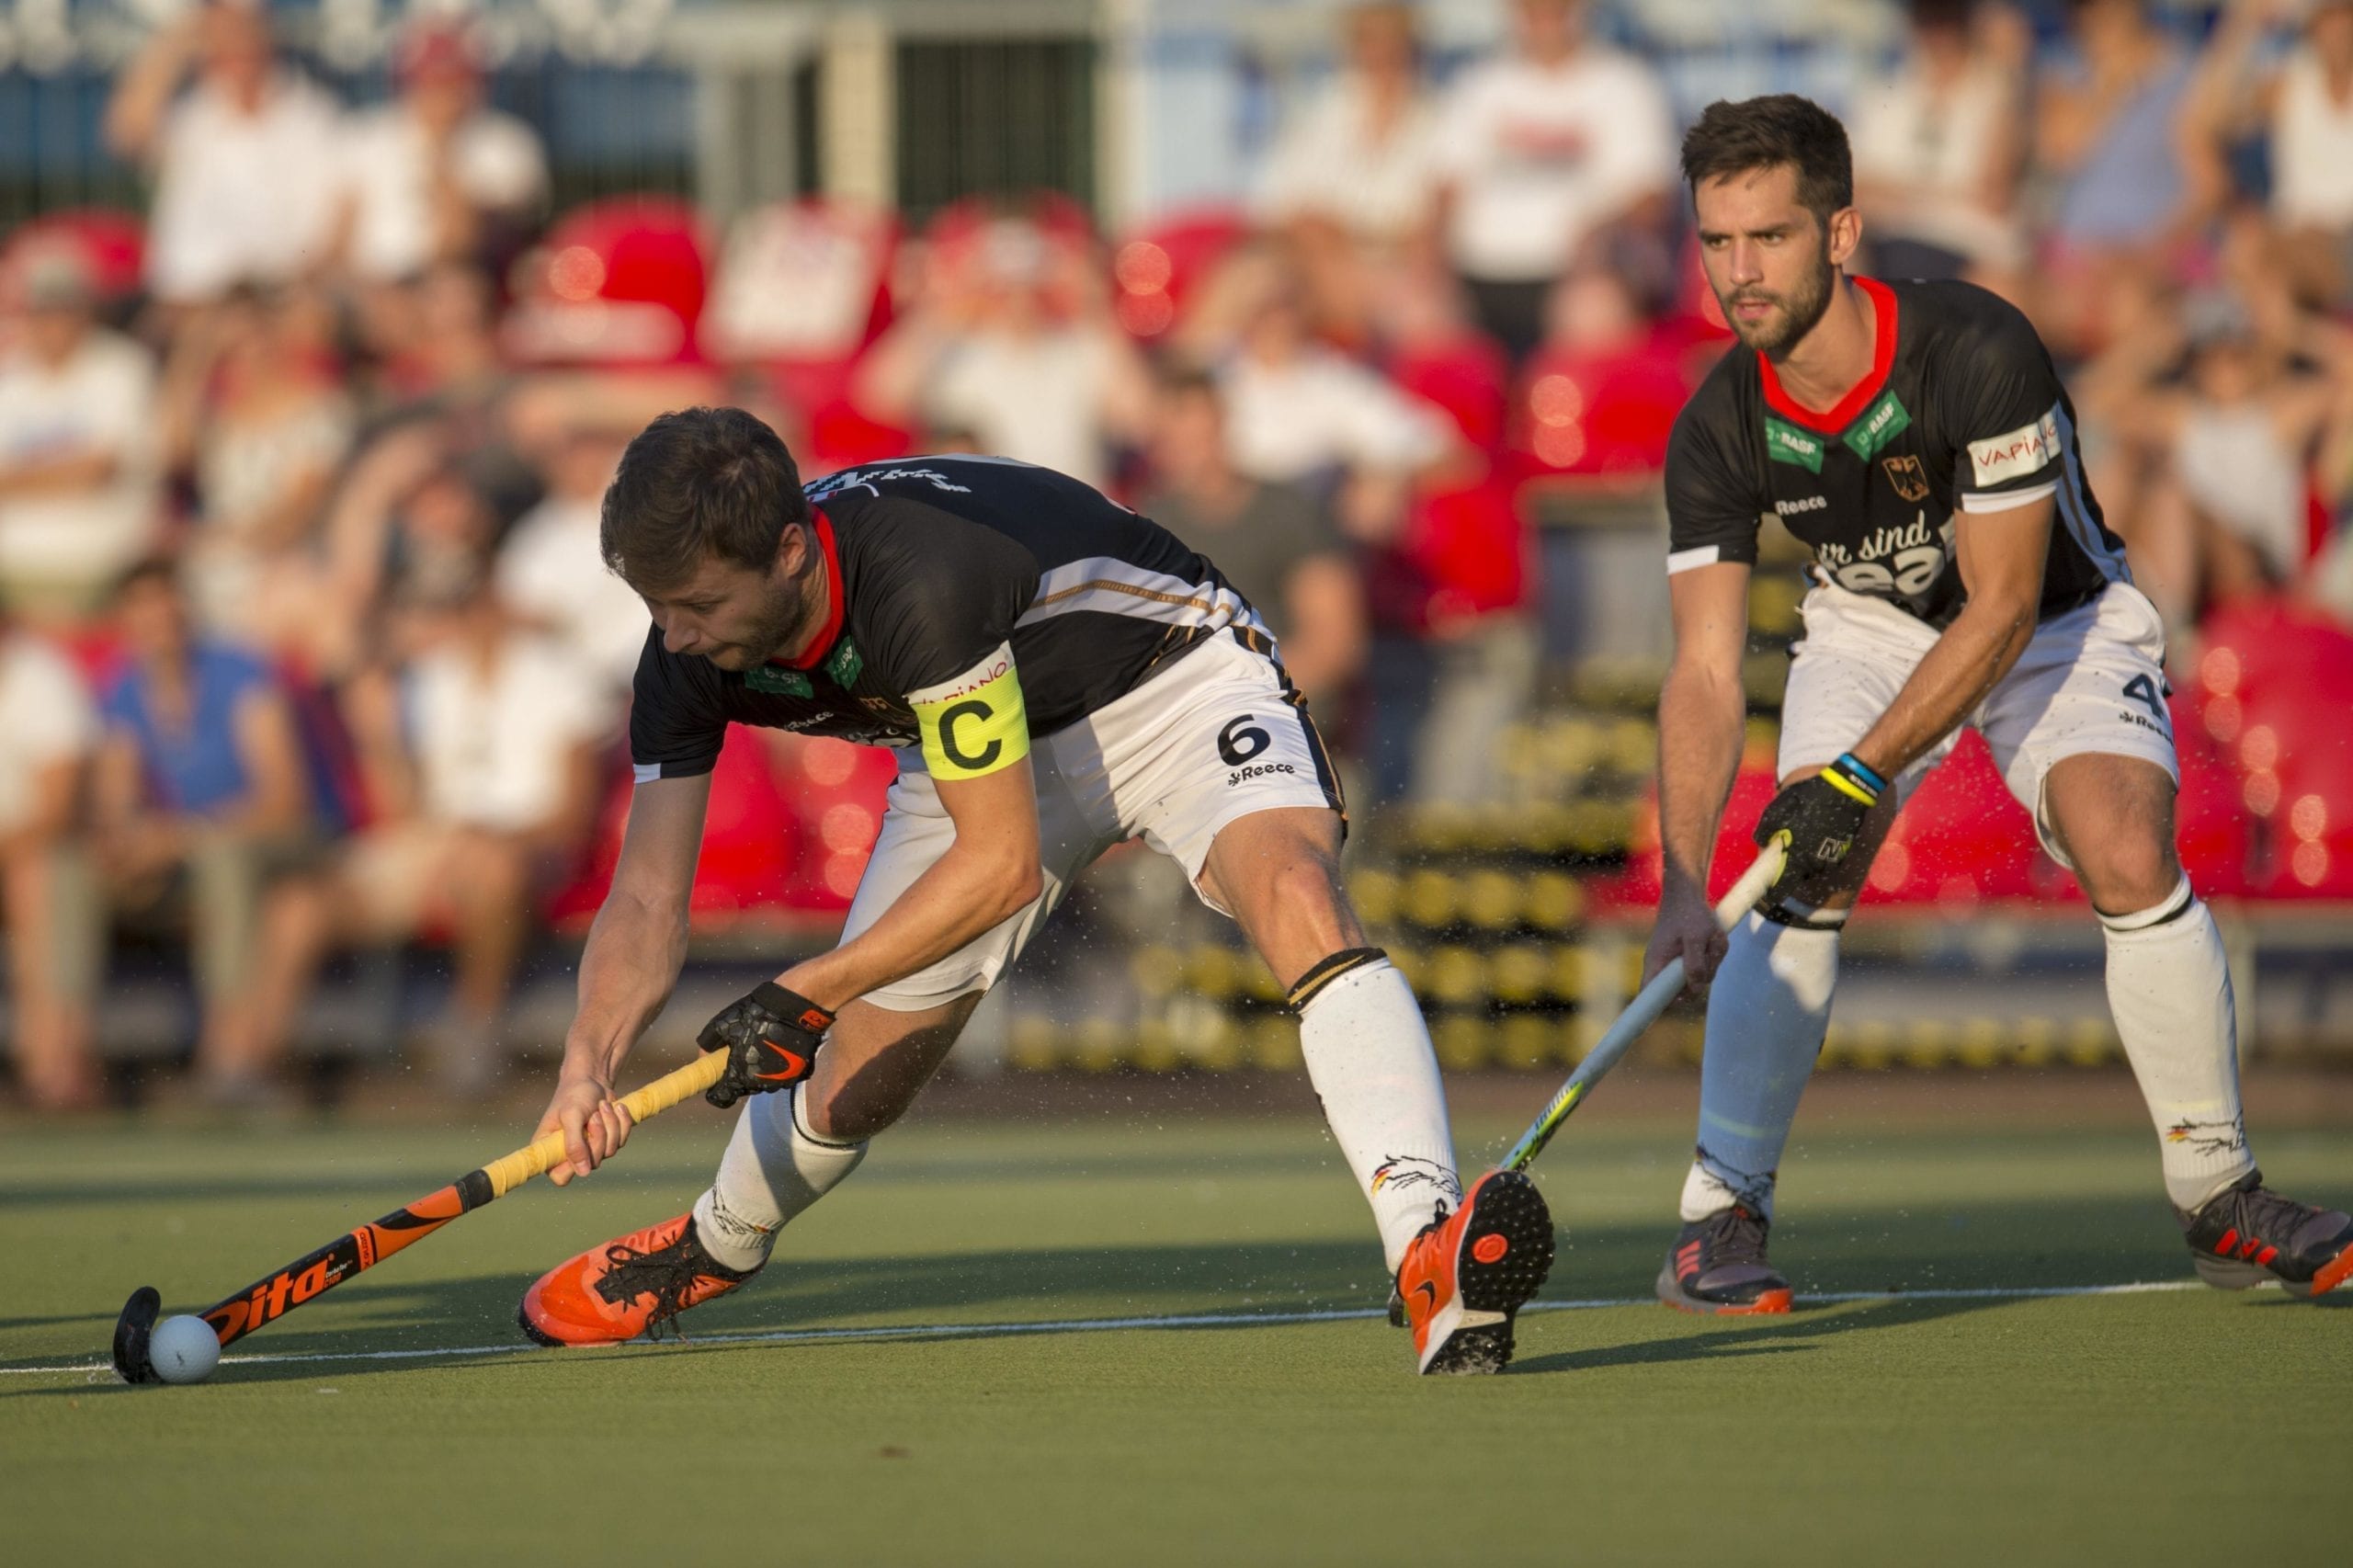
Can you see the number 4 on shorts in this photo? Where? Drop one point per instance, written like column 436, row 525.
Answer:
column 2144, row 690
column 1237, row 745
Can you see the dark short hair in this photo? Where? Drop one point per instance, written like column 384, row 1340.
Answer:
column 1762, row 133
column 700, row 482
column 1190, row 380
column 147, row 568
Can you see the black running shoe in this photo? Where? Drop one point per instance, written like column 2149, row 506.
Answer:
column 2247, row 1233
column 1718, row 1265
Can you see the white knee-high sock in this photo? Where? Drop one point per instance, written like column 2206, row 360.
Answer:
column 1767, row 1014
column 1369, row 1056
column 2169, row 989
column 774, row 1168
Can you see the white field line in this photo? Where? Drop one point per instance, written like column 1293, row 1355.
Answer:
column 1104, row 1325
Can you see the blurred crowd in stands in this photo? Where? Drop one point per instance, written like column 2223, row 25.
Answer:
column 308, row 644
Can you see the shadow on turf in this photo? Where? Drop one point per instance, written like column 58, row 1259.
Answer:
column 1734, row 1338
column 2052, row 1242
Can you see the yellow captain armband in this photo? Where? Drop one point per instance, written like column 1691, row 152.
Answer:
column 974, row 723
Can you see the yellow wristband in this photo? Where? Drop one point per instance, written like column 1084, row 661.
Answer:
column 1846, row 786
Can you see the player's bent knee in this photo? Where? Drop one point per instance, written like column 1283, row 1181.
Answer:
column 831, row 1121
column 862, row 1106
column 874, row 1063
column 2130, row 874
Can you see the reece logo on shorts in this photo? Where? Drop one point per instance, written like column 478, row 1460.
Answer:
column 2025, row 450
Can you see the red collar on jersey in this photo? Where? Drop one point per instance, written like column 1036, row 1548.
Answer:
column 832, row 627
column 1831, row 421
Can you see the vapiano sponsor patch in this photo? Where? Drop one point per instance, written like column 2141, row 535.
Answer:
column 2027, row 449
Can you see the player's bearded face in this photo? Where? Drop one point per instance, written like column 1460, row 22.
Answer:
column 1772, row 262
column 735, row 616
column 771, row 621
column 1774, row 319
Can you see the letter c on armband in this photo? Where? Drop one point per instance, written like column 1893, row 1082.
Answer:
column 974, row 761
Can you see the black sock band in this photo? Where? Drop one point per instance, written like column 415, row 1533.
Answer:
column 1329, row 970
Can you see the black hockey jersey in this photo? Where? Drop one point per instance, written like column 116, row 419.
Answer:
column 1962, row 412
column 976, row 601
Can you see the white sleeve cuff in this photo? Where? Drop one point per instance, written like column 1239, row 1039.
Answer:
column 1698, row 556
column 2005, row 500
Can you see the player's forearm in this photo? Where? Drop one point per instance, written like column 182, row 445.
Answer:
column 963, row 894
column 1701, row 716
column 1976, row 651
column 633, row 960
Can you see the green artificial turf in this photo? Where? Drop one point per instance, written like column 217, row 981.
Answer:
column 2157, row 1427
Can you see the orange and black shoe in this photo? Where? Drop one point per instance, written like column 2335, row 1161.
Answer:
column 2247, row 1233
column 1718, row 1265
column 626, row 1288
column 1467, row 1273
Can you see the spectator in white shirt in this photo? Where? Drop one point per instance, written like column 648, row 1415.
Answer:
column 436, row 175
column 245, row 162
column 1940, row 145
column 1353, row 180
column 1298, row 412
column 552, row 569
column 47, row 897
column 1364, row 156
column 2301, row 101
column 1013, row 343
column 254, row 409
column 1542, row 148
column 480, row 756
column 77, row 478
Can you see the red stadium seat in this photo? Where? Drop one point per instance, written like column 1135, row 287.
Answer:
column 112, row 245
column 619, row 282
column 1467, row 551
column 1469, row 376
column 2270, row 697
column 1600, row 414
column 1752, row 790
column 2311, row 829
column 751, row 842
column 959, row 233
column 802, row 290
column 1960, row 838
column 837, row 792
column 802, row 287
column 2209, row 823
column 1156, row 270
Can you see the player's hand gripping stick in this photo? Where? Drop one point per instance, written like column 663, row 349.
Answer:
column 769, row 1040
column 1819, row 818
column 1642, row 1011
column 275, row 1294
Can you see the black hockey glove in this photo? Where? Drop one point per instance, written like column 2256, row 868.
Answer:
column 770, row 1037
column 1823, row 817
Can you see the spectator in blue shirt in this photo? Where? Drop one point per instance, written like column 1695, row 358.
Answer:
column 202, row 803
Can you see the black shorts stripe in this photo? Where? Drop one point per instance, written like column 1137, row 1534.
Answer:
column 1328, row 777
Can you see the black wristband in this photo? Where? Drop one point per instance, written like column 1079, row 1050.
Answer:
column 792, row 1007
